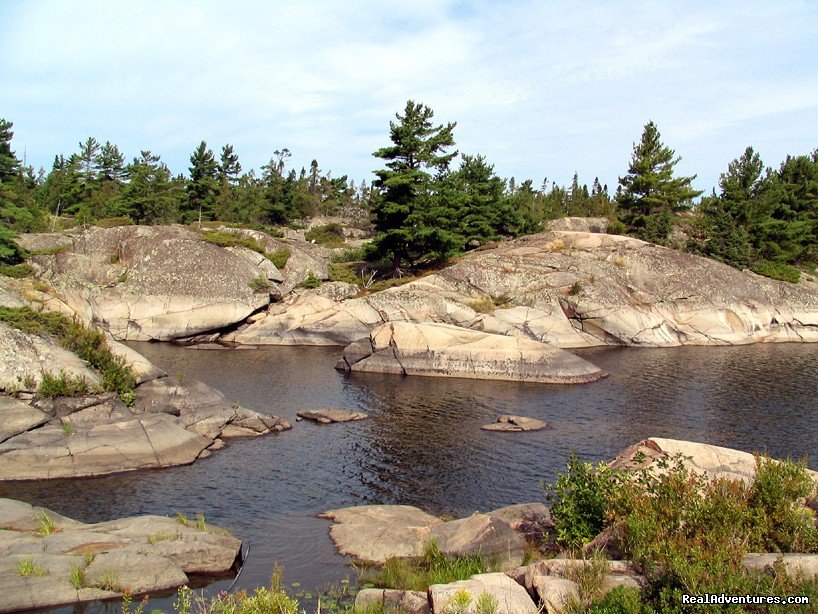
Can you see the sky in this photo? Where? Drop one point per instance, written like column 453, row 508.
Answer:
column 540, row 88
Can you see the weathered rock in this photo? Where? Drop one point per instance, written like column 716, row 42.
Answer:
column 25, row 357
column 140, row 555
column 375, row 533
column 17, row 417
column 796, row 566
column 568, row 569
column 480, row 534
column 506, row 595
column 555, row 593
column 329, row 416
column 143, row 282
column 443, row 350
column 259, row 261
column 511, row 424
column 531, row 520
column 150, row 441
column 144, row 369
column 392, row 601
column 580, row 224
column 703, row 459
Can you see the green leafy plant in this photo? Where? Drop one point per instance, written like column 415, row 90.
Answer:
column 348, row 254
column 62, row 385
column 128, row 397
column 67, row 428
column 311, row 281
column 331, row 235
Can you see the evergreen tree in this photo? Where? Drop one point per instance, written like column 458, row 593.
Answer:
column 650, row 193
column 416, row 158
column 111, row 163
column 11, row 214
column 202, row 187
column 229, row 165
column 151, row 196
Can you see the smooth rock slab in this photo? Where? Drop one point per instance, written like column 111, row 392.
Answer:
column 443, row 350
column 17, row 417
column 509, row 597
column 393, row 601
column 329, row 416
column 794, row 564
column 555, row 593
column 375, row 533
column 515, row 424
column 480, row 534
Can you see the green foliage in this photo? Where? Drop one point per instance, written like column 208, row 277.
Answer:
column 88, row 344
column 232, row 239
column 78, row 580
column 273, row 600
column 432, row 568
column 17, row 271
column 777, row 270
column 62, row 385
column 621, row 600
column 27, row 567
column 67, row 428
column 311, row 281
column 576, row 288
column 348, row 254
column 579, row 501
column 279, row 257
column 331, row 235
column 649, row 191
column 45, row 525
column 259, row 284
column 341, row 272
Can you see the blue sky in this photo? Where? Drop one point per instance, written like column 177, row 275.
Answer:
column 542, row 89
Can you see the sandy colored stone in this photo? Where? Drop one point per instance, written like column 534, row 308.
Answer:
column 481, row 534
column 511, row 424
column 509, row 597
column 443, row 350
column 554, row 593
column 17, row 417
column 375, row 533
column 330, row 416
column 796, row 566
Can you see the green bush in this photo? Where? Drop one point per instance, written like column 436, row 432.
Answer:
column 311, row 281
column 280, row 257
column 621, row 600
column 349, row 254
column 579, row 501
column 113, row 222
column 777, row 270
column 88, row 344
column 17, row 271
column 259, row 284
column 340, row 272
column 331, row 235
column 232, row 239
column 62, row 385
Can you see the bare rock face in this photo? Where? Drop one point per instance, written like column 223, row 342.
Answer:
column 700, row 458
column 484, row 590
column 143, row 282
column 480, row 534
column 795, row 565
column 24, row 358
column 442, row 350
column 580, row 224
column 141, row 555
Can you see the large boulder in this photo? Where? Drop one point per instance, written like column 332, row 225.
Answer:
column 73, row 563
column 482, row 534
column 145, row 282
column 443, row 350
column 701, row 458
column 489, row 592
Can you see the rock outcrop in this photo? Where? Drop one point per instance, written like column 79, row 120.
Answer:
column 515, row 424
column 492, row 592
column 570, row 289
column 49, row 560
column 700, row 458
column 331, row 416
column 443, row 350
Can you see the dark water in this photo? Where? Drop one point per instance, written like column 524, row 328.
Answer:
column 423, row 445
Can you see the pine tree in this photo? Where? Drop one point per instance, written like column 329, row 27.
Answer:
column 416, row 158
column 229, row 165
column 649, row 192
column 202, row 187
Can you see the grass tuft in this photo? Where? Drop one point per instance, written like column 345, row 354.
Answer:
column 27, row 567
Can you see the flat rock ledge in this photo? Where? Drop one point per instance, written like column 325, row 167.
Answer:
column 376, row 533
column 331, row 416
column 515, row 424
column 77, row 563
column 444, row 350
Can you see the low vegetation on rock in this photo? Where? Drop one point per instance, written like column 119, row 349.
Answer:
column 88, row 344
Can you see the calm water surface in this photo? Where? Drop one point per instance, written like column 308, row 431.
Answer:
column 423, row 445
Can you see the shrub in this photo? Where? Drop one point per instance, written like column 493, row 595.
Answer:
column 62, row 385
column 621, row 600
column 777, row 270
column 331, row 235
column 349, row 254
column 340, row 272
column 259, row 284
column 311, row 281
column 579, row 501
column 17, row 271
column 482, row 305
column 280, row 257
column 88, row 344
column 231, row 239
column 576, row 288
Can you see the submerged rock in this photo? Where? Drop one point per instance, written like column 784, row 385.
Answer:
column 513, row 424
column 442, row 350
column 330, row 416
column 72, row 562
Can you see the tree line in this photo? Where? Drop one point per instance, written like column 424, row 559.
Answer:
column 428, row 202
